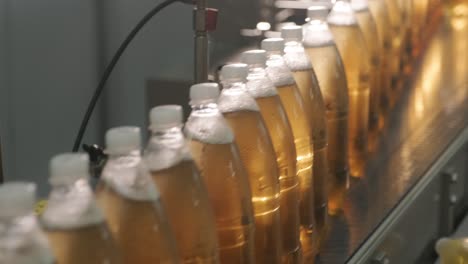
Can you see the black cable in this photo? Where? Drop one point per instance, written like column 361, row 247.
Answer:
column 111, row 65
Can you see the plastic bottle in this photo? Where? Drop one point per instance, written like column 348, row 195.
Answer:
column 257, row 153
column 73, row 222
column 397, row 41
column 22, row 241
column 378, row 9
column 452, row 251
column 277, row 123
column 304, row 74
column 353, row 50
column 369, row 29
column 182, row 190
column 217, row 157
column 301, row 125
column 131, row 203
column 325, row 58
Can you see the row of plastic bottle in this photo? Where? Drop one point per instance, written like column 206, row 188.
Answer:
column 253, row 175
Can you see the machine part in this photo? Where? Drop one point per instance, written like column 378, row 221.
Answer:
column 448, row 201
column 1, row 163
column 204, row 21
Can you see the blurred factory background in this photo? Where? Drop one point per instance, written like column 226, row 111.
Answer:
column 52, row 53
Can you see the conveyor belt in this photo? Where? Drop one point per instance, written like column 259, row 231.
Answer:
column 429, row 116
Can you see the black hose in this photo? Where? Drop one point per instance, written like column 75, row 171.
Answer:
column 111, row 66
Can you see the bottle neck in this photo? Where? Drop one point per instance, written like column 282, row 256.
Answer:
column 135, row 153
column 201, row 107
column 292, row 43
column 233, row 84
column 163, row 133
column 256, row 71
column 274, row 55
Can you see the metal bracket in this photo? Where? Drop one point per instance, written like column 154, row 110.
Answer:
column 448, row 200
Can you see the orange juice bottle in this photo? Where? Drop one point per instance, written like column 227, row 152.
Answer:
column 277, row 123
column 74, row 224
column 369, row 29
column 258, row 156
column 132, row 204
column 22, row 240
column 324, row 56
column 183, row 193
column 304, row 75
column 217, row 157
column 301, row 125
column 379, row 11
column 354, row 52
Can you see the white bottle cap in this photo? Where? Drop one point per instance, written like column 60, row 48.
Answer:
column 254, row 57
column 166, row 116
column 291, row 33
column 204, row 92
column 122, row 140
column 273, row 45
column 234, row 72
column 67, row 168
column 17, row 199
column 318, row 11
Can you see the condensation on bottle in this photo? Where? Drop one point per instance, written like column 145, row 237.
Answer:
column 277, row 123
column 353, row 50
column 304, row 75
column 131, row 202
column 301, row 126
column 368, row 27
column 182, row 190
column 73, row 222
column 217, row 157
column 379, row 11
column 325, row 58
column 258, row 156
column 22, row 240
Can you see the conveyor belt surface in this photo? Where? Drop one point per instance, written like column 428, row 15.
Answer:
column 430, row 114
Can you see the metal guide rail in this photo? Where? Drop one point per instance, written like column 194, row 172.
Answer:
column 403, row 188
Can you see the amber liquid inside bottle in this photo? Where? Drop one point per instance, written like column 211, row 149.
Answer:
column 379, row 12
column 89, row 244
column 353, row 50
column 281, row 136
column 302, row 132
column 395, row 17
column 259, row 159
column 182, row 195
column 457, row 8
column 369, row 30
column 332, row 78
column 418, row 25
column 229, row 193
column 313, row 102
column 139, row 231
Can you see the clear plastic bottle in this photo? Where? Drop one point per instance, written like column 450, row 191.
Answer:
column 325, row 58
column 182, row 190
column 369, row 29
column 74, row 224
column 304, row 75
column 353, row 50
column 301, row 125
column 397, row 43
column 217, row 157
column 273, row 113
column 379, row 11
column 131, row 203
column 22, row 240
column 257, row 153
